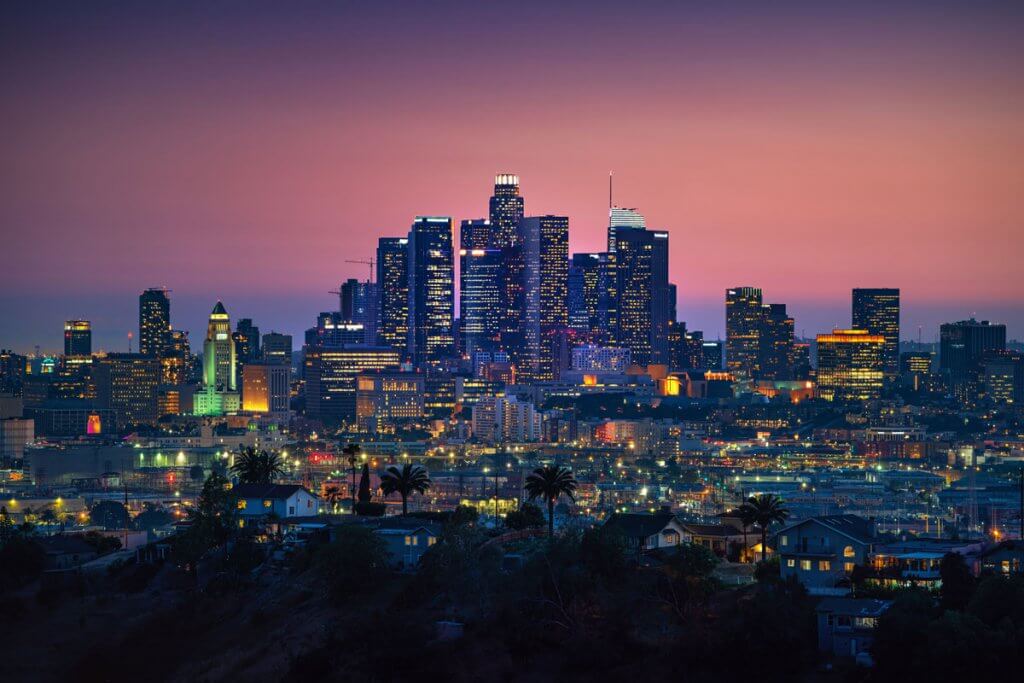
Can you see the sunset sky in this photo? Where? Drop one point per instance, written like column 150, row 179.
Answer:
column 243, row 151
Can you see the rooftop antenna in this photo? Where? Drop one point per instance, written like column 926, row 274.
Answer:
column 610, row 205
column 129, row 342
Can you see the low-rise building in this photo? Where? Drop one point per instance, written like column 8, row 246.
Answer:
column 284, row 500
column 846, row 626
column 821, row 552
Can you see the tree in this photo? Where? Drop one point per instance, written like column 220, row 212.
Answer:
column 333, row 495
column 364, row 485
column 957, row 582
column 410, row 479
column 212, row 523
column 551, row 482
column 526, row 517
column 746, row 515
column 257, row 467
column 109, row 514
column 764, row 510
column 353, row 563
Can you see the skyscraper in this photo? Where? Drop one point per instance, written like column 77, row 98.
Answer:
column 127, row 383
column 277, row 348
column 545, row 250
column 431, row 289
column 622, row 218
column 505, row 209
column 851, row 365
column 359, row 302
column 481, row 278
column 219, row 355
column 641, row 267
column 775, row 344
column 393, row 291
column 592, row 299
column 77, row 338
column 331, row 374
column 963, row 346
column 247, row 341
column 878, row 312
column 154, row 321
column 743, row 316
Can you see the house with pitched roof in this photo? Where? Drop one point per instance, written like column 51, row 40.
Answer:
column 821, row 552
column 644, row 532
column 284, row 500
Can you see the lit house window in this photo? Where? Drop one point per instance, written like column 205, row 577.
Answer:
column 790, row 563
column 848, row 567
column 431, row 541
column 242, row 504
column 824, row 566
column 783, row 541
column 412, row 540
column 268, row 504
column 805, row 565
column 848, row 551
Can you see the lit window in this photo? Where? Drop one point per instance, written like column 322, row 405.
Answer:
column 791, row 563
column 242, row 504
column 783, row 541
column 408, row 540
column 848, row 567
column 805, row 565
column 268, row 504
column 431, row 541
column 848, row 551
column 824, row 566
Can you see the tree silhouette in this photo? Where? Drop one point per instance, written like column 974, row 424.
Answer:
column 257, row 467
column 550, row 482
column 410, row 479
column 764, row 510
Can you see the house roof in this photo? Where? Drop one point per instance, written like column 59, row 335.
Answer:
column 712, row 529
column 854, row 607
column 851, row 526
column 636, row 524
column 269, row 491
column 62, row 544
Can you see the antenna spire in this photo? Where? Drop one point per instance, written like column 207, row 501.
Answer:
column 610, row 205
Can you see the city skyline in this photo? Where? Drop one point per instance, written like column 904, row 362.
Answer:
column 262, row 153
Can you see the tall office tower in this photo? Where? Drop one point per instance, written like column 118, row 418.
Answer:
column 743, row 318
column 247, row 341
column 686, row 348
column 127, row 383
column 775, row 354
column 359, row 302
column 12, row 372
column 622, row 218
column 593, row 296
column 545, row 250
column 878, row 312
column 431, row 289
column 331, row 374
column 277, row 349
column 334, row 329
column 962, row 348
column 800, row 361
column 1004, row 377
column 712, row 355
column 77, row 338
column 154, row 321
column 481, row 272
column 505, row 209
column 641, row 267
column 916, row 370
column 266, row 388
column 393, row 292
column 673, row 302
column 219, row 354
column 386, row 398
column 851, row 365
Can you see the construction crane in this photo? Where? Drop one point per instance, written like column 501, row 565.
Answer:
column 365, row 263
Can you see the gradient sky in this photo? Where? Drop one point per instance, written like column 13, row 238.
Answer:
column 244, row 150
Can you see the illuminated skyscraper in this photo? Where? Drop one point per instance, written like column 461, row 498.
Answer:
column 247, row 341
column 505, row 209
column 219, row 355
column 1004, row 377
column 431, row 289
column 641, row 267
column 963, row 347
column 878, row 312
column 545, row 250
column 277, row 349
column 851, row 365
column 265, row 388
column 154, row 321
column 393, row 291
column 331, row 374
column 359, row 303
column 775, row 344
column 481, row 278
column 743, row 318
column 622, row 218
column 77, row 338
column 127, row 383
column 593, row 295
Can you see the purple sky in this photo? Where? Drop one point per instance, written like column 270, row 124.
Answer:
column 245, row 151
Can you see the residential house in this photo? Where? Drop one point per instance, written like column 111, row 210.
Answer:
column 65, row 551
column 406, row 543
column 1004, row 558
column 644, row 532
column 283, row 500
column 916, row 561
column 821, row 552
column 846, row 626
column 719, row 538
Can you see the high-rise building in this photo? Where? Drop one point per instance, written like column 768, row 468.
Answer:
column 77, row 338
column 592, row 358
column 334, row 329
column 743, row 323
column 265, row 388
column 393, row 291
column 127, row 383
column 592, row 303
column 878, row 312
column 247, row 341
column 851, row 365
column 359, row 303
column 622, row 218
column 1004, row 377
column 641, row 267
column 505, row 209
column 775, row 354
column 331, row 374
column 431, row 289
column 712, row 355
column 545, row 250
column 963, row 346
column 220, row 366
column 384, row 398
column 481, row 278
column 154, row 321
column 916, row 370
column 277, row 349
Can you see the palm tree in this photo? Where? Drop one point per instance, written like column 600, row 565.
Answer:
column 764, row 510
column 333, row 495
column 257, row 467
column 550, row 482
column 351, row 452
column 411, row 478
column 746, row 515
